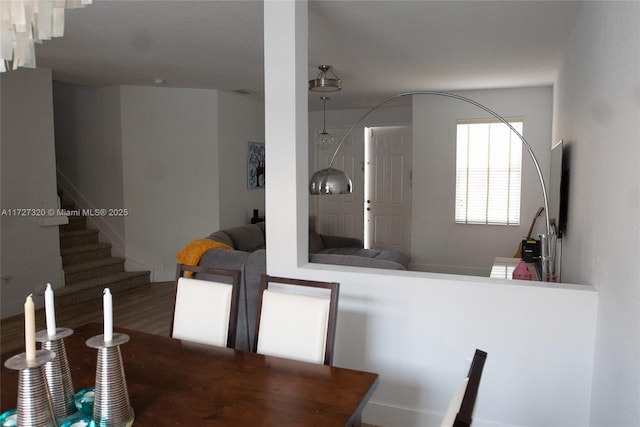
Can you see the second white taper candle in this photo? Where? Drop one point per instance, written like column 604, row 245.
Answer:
column 107, row 307
column 50, row 311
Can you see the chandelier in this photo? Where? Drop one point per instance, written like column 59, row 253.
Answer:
column 23, row 22
column 327, row 81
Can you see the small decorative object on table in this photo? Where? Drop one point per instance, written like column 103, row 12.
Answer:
column 57, row 372
column 256, row 218
column 34, row 402
column 9, row 418
column 78, row 420
column 522, row 271
column 84, row 401
column 111, row 406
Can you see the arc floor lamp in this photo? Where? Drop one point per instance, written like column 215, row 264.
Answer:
column 334, row 181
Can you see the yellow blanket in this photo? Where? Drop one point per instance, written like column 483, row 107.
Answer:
column 193, row 251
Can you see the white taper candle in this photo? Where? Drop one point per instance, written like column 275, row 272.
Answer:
column 30, row 328
column 50, row 311
column 107, row 306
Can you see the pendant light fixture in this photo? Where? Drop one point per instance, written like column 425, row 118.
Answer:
column 323, row 83
column 325, row 139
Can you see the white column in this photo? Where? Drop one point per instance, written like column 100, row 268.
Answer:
column 286, row 122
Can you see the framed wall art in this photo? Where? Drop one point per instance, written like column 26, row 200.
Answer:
column 255, row 165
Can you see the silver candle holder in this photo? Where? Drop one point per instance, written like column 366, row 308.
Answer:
column 111, row 407
column 58, row 373
column 34, row 401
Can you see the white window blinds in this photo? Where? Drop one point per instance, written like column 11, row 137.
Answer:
column 488, row 172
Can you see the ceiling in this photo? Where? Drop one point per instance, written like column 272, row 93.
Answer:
column 378, row 48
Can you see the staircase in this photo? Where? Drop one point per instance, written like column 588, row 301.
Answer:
column 89, row 267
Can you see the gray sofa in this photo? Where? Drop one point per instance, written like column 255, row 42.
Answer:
column 249, row 256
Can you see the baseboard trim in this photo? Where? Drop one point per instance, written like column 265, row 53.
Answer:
column 385, row 415
column 381, row 414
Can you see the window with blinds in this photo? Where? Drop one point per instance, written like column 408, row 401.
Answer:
column 488, row 172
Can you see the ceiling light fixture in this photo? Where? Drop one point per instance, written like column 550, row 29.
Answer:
column 322, row 83
column 334, row 181
column 23, row 22
column 326, row 139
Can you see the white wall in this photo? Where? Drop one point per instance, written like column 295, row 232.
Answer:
column 597, row 112
column 155, row 151
column 417, row 329
column 30, row 249
column 240, row 120
column 89, row 154
column 438, row 243
column 170, row 164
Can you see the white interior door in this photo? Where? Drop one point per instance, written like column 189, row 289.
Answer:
column 342, row 215
column 387, row 203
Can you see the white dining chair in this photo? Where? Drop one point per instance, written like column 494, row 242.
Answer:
column 206, row 305
column 297, row 319
column 460, row 410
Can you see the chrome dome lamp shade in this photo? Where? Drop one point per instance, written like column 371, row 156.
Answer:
column 330, row 181
column 324, row 83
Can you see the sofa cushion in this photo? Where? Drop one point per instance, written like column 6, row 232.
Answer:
column 247, row 237
column 394, row 256
column 224, row 258
column 222, row 237
column 355, row 261
column 193, row 251
column 374, row 254
column 340, row 241
column 316, row 244
column 255, row 267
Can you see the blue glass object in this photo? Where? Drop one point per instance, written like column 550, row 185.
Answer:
column 9, row 418
column 84, row 401
column 78, row 420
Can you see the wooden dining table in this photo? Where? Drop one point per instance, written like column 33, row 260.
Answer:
column 177, row 383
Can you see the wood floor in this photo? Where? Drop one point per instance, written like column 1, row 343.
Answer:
column 147, row 308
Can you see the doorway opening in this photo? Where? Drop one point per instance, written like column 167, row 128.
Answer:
column 387, row 188
column 379, row 161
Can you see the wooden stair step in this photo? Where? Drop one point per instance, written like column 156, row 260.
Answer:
column 80, row 254
column 73, row 238
column 80, row 272
column 89, row 289
column 75, row 223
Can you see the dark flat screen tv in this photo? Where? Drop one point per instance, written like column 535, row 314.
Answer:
column 559, row 186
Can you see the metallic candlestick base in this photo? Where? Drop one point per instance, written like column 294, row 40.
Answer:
column 34, row 401
column 58, row 373
column 111, row 406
